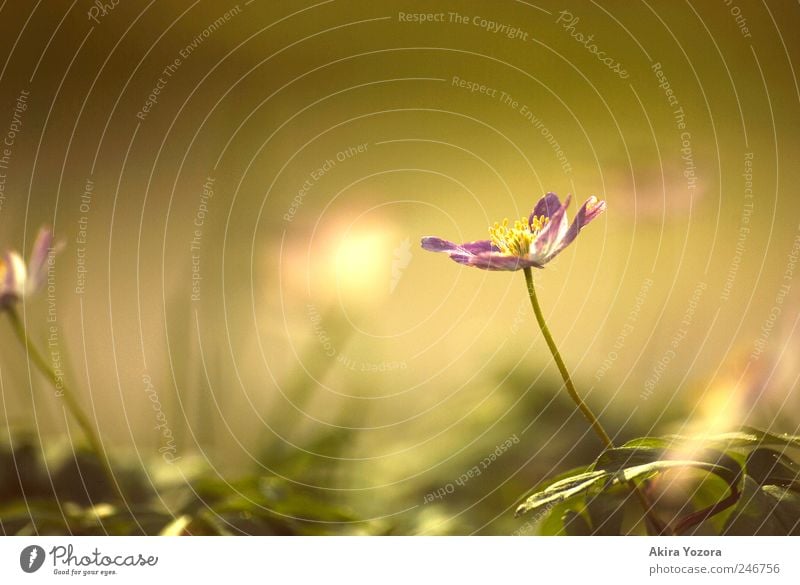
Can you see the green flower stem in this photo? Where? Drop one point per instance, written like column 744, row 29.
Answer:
column 656, row 525
column 72, row 403
column 596, row 426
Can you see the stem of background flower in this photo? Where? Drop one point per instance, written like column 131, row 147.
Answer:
column 657, row 526
column 72, row 403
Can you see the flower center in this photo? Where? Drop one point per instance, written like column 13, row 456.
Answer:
column 516, row 240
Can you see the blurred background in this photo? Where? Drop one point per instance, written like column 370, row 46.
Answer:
column 241, row 190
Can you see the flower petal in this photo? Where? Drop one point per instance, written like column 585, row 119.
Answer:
column 479, row 247
column 3, row 281
column 590, row 210
column 37, row 263
column 434, row 244
column 461, row 258
column 552, row 233
column 500, row 261
column 15, row 274
column 546, row 206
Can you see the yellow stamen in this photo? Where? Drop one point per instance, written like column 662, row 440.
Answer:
column 517, row 240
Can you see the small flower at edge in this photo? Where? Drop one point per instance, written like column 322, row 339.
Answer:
column 530, row 242
column 17, row 280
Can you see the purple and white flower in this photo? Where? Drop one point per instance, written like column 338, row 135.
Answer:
column 530, row 242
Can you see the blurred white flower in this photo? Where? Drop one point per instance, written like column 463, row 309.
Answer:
column 18, row 280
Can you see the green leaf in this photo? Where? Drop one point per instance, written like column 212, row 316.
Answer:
column 552, row 519
column 575, row 471
column 562, row 490
column 622, row 457
column 606, row 512
column 744, row 437
column 767, row 466
column 575, row 524
column 650, row 469
column 787, row 509
column 713, row 461
column 648, row 443
column 750, row 436
column 765, row 510
column 710, row 490
column 576, row 485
